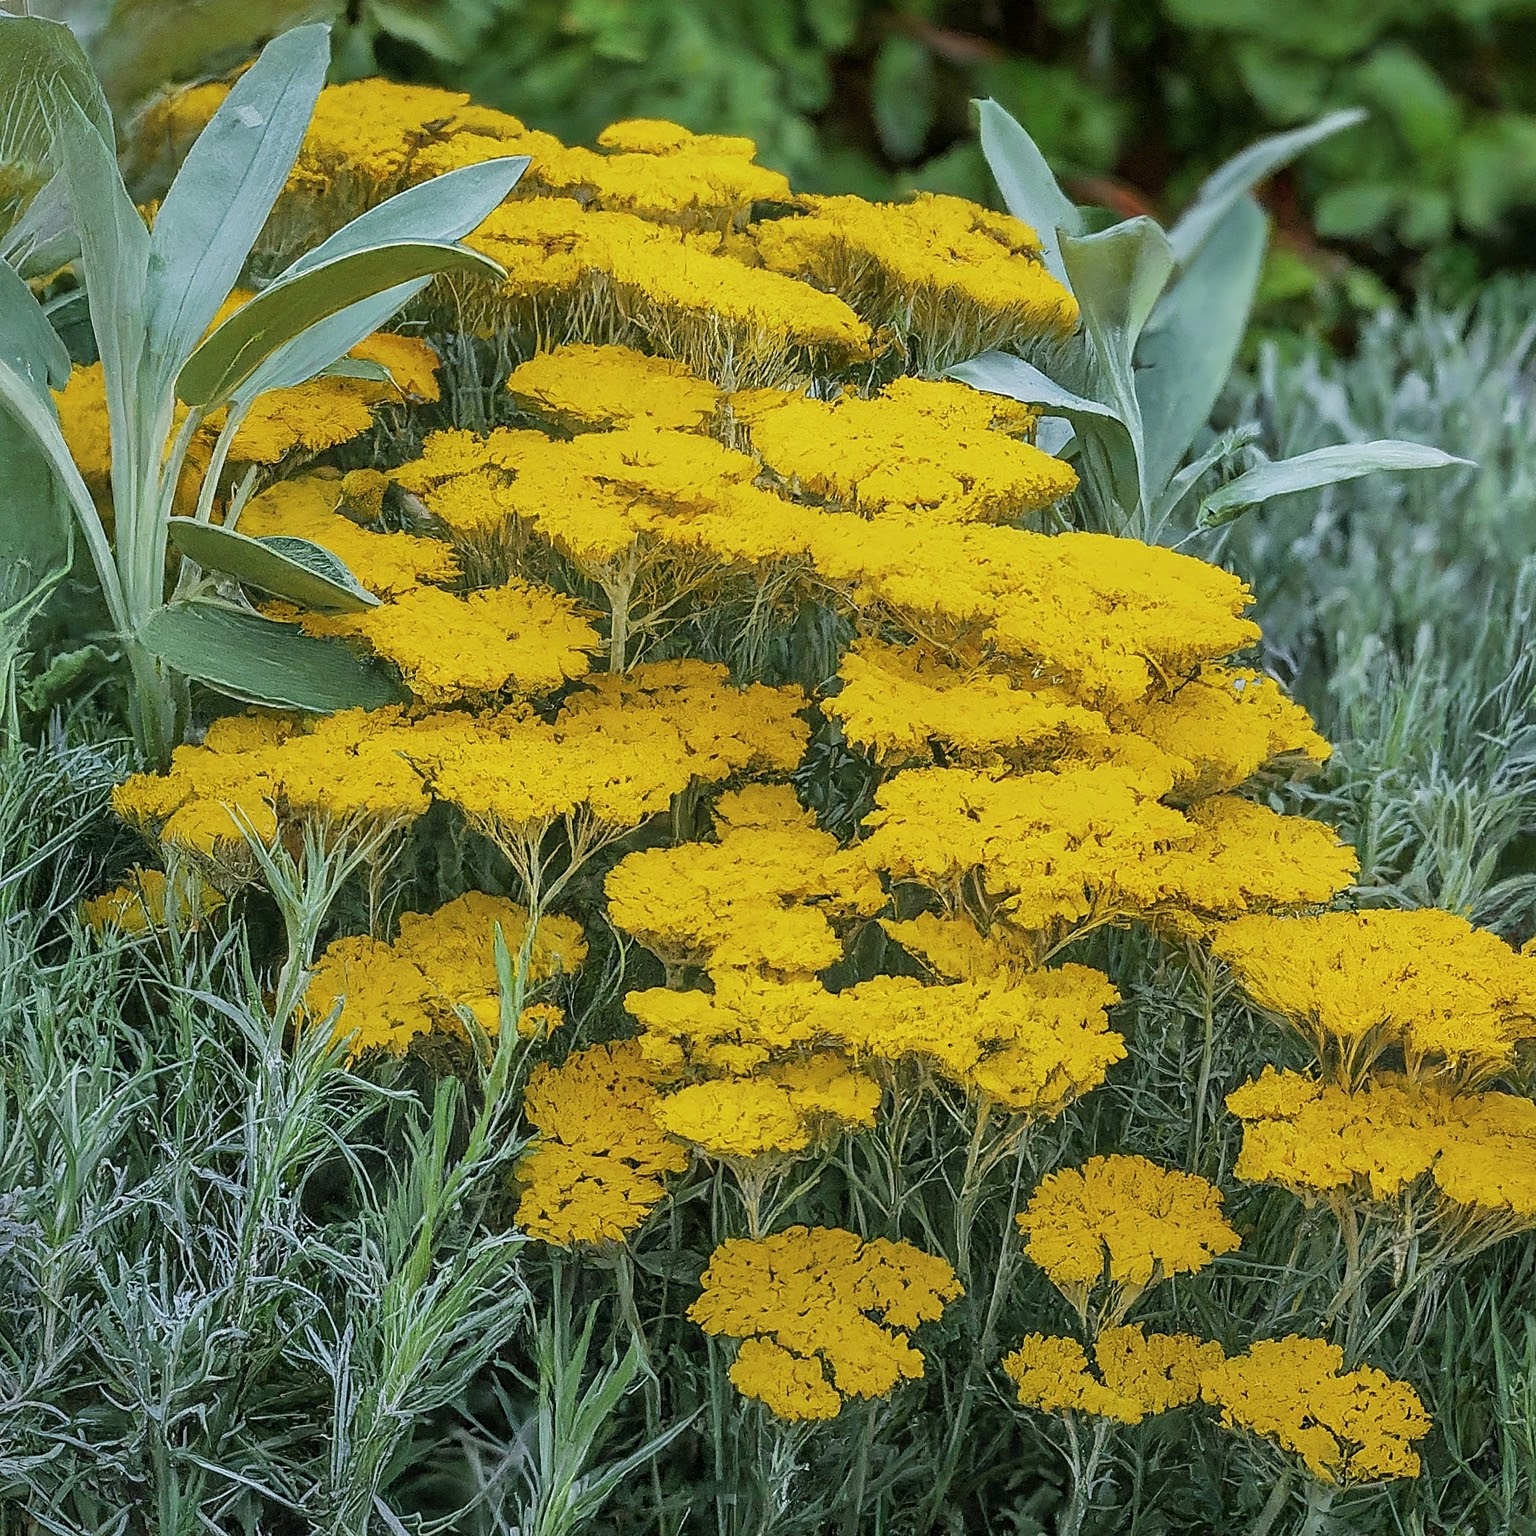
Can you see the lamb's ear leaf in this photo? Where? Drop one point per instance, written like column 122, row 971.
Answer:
column 27, row 342
column 283, row 312
column 323, row 347
column 296, row 569
column 43, row 239
column 1311, row 471
column 231, row 177
column 1030, row 191
column 114, row 262
column 1242, row 173
column 248, row 657
column 42, row 66
column 447, row 207
column 1186, row 353
column 1118, row 276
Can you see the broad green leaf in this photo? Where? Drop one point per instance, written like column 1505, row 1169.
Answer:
column 1242, row 173
column 261, row 661
column 27, row 342
column 41, row 68
column 114, row 261
column 1029, row 189
column 447, row 207
column 1311, row 471
column 1118, row 277
column 225, row 189
column 1187, row 350
column 284, row 311
column 292, row 568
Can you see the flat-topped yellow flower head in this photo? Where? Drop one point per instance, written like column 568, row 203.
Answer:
column 598, row 1166
column 1124, row 1222
column 1356, row 1426
column 823, row 1316
column 1455, row 1000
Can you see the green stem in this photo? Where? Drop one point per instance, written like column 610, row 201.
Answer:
column 1083, row 1475
column 1207, row 1052
column 1319, row 1502
column 1274, row 1505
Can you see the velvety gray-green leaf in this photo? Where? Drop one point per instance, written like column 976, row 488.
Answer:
column 1186, row 353
column 1001, row 373
column 43, row 239
column 34, row 414
column 261, row 661
column 323, row 347
column 291, row 568
column 447, row 207
column 27, row 342
column 114, row 261
column 34, row 519
column 1242, row 173
column 226, row 187
column 42, row 66
column 1118, row 276
column 284, row 311
column 1029, row 190
column 1310, row 471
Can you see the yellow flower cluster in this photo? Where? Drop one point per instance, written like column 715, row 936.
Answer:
column 252, row 769
column 576, row 273
column 897, row 700
column 822, row 1315
column 313, row 507
column 384, row 995
column 619, row 750
column 1032, row 1043
column 149, row 901
column 1391, row 1139
column 651, row 237
column 515, row 637
column 1124, row 1221
column 1455, row 1001
column 1084, row 622
column 1095, row 843
column 1140, row 1374
column 770, row 894
column 1221, row 727
column 580, row 387
column 597, row 1167
column 1346, row 1426
column 780, row 1112
column 615, row 754
column 934, row 269
column 929, row 450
